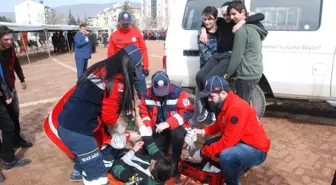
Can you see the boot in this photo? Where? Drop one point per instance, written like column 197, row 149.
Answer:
column 176, row 172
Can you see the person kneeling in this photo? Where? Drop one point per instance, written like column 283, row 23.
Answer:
column 243, row 142
column 166, row 108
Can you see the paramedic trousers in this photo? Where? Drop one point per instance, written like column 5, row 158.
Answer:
column 81, row 65
column 88, row 157
column 218, row 64
column 13, row 110
column 7, row 128
column 171, row 137
column 140, row 82
column 109, row 155
column 236, row 159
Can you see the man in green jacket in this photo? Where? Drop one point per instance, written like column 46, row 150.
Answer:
column 246, row 60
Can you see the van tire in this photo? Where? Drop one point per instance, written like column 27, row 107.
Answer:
column 258, row 101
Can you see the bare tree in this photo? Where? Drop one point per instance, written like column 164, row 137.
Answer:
column 41, row 18
column 54, row 18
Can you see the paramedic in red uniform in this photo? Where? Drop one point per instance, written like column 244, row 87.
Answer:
column 243, row 142
column 166, row 109
column 101, row 94
column 125, row 35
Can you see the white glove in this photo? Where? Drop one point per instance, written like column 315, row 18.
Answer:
column 197, row 156
column 118, row 141
column 150, row 130
column 144, row 131
column 190, row 139
column 161, row 127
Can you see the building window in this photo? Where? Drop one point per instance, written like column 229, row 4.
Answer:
column 289, row 15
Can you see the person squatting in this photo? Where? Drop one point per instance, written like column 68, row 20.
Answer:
column 84, row 122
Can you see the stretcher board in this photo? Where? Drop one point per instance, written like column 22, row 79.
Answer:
column 183, row 180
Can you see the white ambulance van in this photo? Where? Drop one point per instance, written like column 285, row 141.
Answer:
column 298, row 53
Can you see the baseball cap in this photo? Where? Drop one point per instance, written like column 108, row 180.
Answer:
column 124, row 17
column 161, row 83
column 134, row 53
column 215, row 84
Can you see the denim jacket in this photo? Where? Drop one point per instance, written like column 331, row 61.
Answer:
column 208, row 49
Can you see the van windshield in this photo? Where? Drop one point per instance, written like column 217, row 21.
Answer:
column 192, row 19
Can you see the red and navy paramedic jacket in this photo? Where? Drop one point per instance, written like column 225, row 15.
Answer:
column 176, row 110
column 237, row 122
column 86, row 110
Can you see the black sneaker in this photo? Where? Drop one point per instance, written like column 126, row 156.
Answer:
column 23, row 143
column 176, row 171
column 2, row 177
column 15, row 163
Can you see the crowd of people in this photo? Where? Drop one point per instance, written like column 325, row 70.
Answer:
column 86, row 117
column 65, row 42
column 154, row 34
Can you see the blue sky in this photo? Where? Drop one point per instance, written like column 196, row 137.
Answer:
column 8, row 5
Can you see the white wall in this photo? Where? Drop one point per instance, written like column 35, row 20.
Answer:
column 29, row 12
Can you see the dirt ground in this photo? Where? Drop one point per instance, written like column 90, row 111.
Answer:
column 301, row 152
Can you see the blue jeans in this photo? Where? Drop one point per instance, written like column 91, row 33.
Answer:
column 140, row 82
column 87, row 156
column 235, row 159
column 81, row 65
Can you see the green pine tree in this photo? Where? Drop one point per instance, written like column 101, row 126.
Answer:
column 71, row 19
column 78, row 20
column 85, row 19
column 5, row 19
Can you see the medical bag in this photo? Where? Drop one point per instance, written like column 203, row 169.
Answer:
column 203, row 173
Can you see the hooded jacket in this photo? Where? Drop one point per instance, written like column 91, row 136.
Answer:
column 246, row 60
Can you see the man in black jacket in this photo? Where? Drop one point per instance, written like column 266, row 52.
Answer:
column 11, row 65
column 7, row 128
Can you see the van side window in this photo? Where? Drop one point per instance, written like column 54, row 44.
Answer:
column 192, row 19
column 289, row 15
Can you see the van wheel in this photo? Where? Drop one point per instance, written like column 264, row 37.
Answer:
column 258, row 101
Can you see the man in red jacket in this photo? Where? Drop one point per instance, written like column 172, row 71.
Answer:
column 126, row 35
column 243, row 142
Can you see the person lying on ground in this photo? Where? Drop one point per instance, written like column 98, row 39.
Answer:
column 135, row 168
